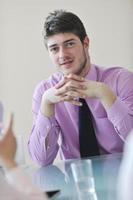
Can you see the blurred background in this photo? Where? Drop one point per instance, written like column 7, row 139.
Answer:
column 24, row 61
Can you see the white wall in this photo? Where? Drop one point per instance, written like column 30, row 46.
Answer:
column 24, row 60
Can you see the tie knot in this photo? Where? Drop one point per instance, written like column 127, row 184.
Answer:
column 82, row 101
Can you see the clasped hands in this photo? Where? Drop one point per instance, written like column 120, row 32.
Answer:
column 71, row 88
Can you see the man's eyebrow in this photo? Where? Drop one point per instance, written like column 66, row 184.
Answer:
column 70, row 40
column 54, row 45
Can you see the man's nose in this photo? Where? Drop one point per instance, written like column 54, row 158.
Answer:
column 62, row 52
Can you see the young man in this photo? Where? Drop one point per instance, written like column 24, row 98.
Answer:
column 108, row 93
column 16, row 185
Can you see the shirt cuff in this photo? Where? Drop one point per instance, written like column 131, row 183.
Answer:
column 45, row 123
column 117, row 112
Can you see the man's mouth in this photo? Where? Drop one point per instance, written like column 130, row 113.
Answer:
column 67, row 64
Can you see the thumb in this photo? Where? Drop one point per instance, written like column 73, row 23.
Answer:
column 11, row 120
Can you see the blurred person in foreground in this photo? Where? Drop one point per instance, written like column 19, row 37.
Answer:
column 15, row 184
column 125, row 178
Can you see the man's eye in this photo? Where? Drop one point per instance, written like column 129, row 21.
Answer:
column 70, row 44
column 54, row 49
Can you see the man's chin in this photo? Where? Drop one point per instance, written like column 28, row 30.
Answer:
column 66, row 72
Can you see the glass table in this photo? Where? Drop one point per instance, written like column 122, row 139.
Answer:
column 59, row 176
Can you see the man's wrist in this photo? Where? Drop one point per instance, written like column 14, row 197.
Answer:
column 106, row 96
column 47, row 108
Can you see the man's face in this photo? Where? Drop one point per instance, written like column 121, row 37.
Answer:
column 68, row 53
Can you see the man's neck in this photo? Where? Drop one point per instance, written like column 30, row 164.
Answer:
column 86, row 69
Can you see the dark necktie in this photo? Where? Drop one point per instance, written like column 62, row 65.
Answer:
column 87, row 138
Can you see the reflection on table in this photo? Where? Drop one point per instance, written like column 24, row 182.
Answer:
column 59, row 176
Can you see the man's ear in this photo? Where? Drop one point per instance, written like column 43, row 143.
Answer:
column 86, row 42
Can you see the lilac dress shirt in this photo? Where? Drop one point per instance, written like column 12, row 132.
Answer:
column 111, row 126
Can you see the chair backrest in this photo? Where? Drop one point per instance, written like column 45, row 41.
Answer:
column 1, row 116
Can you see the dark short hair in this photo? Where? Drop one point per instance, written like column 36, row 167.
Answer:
column 61, row 21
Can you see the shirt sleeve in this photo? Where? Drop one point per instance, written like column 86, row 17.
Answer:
column 121, row 112
column 42, row 127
